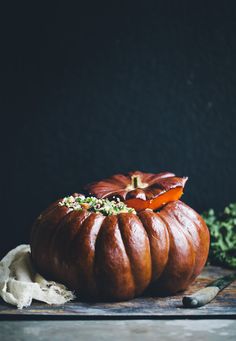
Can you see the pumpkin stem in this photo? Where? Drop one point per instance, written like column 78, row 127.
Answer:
column 135, row 181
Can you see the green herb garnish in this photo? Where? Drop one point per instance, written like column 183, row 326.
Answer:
column 104, row 206
column 223, row 236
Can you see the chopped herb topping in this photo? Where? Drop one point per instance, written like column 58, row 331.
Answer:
column 104, row 206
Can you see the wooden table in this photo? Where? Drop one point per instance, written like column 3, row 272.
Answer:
column 148, row 307
column 145, row 318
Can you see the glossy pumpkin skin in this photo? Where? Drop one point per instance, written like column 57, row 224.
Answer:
column 117, row 257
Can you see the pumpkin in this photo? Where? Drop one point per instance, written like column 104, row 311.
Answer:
column 105, row 250
column 140, row 190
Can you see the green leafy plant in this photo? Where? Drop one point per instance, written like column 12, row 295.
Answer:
column 223, row 236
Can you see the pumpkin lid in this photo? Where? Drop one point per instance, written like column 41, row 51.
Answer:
column 140, row 190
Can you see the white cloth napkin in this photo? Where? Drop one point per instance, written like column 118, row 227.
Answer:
column 20, row 284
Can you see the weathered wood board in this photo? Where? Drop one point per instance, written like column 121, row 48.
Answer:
column 224, row 305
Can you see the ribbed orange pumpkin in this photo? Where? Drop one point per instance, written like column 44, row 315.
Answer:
column 117, row 257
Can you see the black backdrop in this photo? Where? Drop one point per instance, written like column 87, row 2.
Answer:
column 96, row 90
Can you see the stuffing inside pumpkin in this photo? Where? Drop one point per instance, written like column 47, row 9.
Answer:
column 104, row 206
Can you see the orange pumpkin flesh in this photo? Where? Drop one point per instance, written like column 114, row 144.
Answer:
column 139, row 204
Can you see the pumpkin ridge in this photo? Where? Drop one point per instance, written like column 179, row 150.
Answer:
column 194, row 274
column 183, row 228
column 35, row 228
column 152, row 229
column 40, row 248
column 197, row 225
column 133, row 231
column 95, row 273
column 74, row 224
column 53, row 252
column 84, row 253
column 77, row 236
column 64, row 239
column 126, row 251
column 111, row 282
column 170, row 240
column 172, row 234
column 51, row 242
column 141, row 221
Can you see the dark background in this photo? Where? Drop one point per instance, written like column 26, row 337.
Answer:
column 93, row 90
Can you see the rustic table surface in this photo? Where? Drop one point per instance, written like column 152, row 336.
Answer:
column 145, row 317
column 224, row 305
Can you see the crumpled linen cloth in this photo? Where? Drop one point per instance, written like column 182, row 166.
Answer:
column 20, row 283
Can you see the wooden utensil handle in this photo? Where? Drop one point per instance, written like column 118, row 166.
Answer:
column 201, row 297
